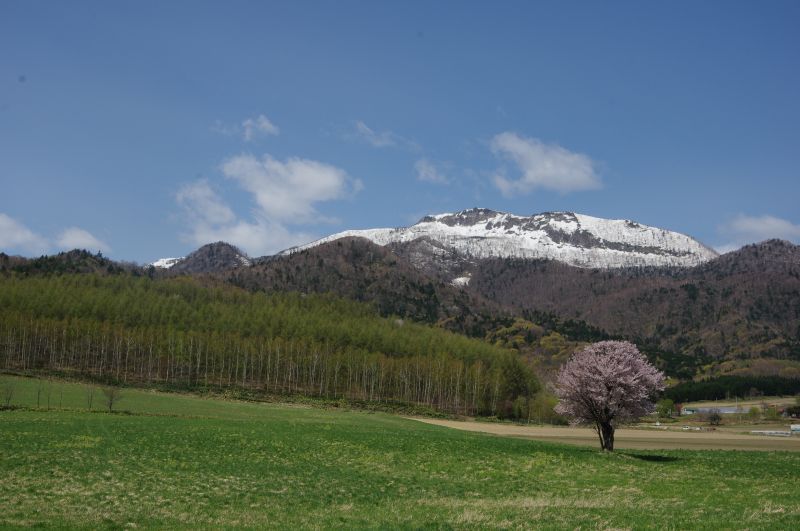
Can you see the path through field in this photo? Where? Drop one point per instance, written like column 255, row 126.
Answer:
column 631, row 438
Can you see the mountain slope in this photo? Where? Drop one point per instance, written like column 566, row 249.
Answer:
column 218, row 256
column 730, row 313
column 360, row 270
column 735, row 314
column 574, row 239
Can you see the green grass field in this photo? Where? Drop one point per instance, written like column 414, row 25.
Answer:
column 182, row 461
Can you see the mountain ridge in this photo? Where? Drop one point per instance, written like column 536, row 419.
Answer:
column 727, row 314
column 217, row 256
column 576, row 239
column 736, row 314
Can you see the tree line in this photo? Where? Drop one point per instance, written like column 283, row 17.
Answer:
column 191, row 334
column 732, row 386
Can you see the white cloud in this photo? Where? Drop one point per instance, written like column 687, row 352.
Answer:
column 427, row 171
column 249, row 129
column 211, row 219
column 765, row 227
column 257, row 238
column 287, row 191
column 77, row 238
column 204, row 205
column 285, row 195
column 547, row 166
column 742, row 230
column 260, row 124
column 16, row 236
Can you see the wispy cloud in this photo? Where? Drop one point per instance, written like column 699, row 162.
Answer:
column 373, row 138
column 380, row 139
column 258, row 125
column 14, row 236
column 285, row 194
column 428, row 172
column 77, row 238
column 546, row 166
column 225, row 129
column 249, row 129
column 743, row 229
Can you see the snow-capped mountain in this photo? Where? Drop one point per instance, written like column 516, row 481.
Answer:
column 575, row 239
column 166, row 263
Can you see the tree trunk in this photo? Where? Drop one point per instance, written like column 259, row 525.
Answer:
column 607, row 436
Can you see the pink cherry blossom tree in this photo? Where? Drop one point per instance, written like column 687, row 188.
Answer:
column 605, row 384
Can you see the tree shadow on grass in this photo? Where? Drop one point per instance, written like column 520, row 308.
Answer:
column 654, row 458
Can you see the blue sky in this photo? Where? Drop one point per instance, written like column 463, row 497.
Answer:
column 144, row 129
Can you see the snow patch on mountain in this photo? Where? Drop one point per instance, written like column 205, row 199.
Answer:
column 460, row 282
column 575, row 239
column 166, row 263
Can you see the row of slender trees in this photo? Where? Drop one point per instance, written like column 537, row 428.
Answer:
column 181, row 335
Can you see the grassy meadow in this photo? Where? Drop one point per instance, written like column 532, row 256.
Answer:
column 184, row 461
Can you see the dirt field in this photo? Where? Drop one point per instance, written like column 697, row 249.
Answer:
column 632, row 438
column 745, row 404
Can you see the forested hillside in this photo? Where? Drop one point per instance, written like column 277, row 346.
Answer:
column 737, row 314
column 357, row 269
column 203, row 334
column 74, row 261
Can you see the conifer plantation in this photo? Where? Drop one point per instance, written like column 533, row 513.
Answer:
column 190, row 333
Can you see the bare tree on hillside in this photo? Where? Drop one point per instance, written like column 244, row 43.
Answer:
column 90, row 396
column 112, row 396
column 49, row 391
column 8, row 393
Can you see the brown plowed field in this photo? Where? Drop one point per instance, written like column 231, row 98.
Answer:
column 632, row 438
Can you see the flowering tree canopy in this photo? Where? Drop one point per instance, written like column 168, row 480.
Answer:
column 605, row 384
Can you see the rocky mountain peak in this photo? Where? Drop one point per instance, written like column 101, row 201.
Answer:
column 212, row 257
column 568, row 237
column 470, row 216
